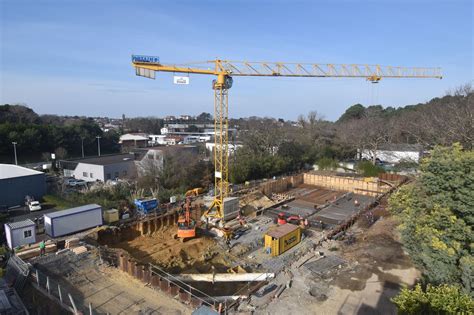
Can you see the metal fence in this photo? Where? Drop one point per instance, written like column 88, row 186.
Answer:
column 53, row 290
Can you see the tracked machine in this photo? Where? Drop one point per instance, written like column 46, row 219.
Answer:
column 186, row 225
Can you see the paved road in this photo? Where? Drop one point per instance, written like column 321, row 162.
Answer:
column 23, row 213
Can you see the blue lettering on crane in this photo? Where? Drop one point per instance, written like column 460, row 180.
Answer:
column 145, row 59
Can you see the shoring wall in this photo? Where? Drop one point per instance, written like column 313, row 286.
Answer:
column 369, row 186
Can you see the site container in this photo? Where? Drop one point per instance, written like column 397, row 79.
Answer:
column 231, row 208
column 280, row 239
column 72, row 220
column 146, row 205
column 111, row 216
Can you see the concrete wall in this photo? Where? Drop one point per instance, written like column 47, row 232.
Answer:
column 370, row 186
column 14, row 190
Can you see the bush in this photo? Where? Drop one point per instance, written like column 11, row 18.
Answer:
column 327, row 164
column 368, row 169
column 443, row 299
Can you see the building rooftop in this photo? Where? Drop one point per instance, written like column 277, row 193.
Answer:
column 282, row 230
column 21, row 224
column 133, row 137
column 12, row 171
column 101, row 160
column 71, row 211
column 403, row 147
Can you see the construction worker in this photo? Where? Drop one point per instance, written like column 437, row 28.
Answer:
column 42, row 247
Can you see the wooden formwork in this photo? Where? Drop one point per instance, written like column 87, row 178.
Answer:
column 281, row 184
column 364, row 186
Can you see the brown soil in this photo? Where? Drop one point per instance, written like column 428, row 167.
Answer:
column 164, row 249
column 257, row 200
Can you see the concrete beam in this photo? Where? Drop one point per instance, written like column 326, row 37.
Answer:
column 225, row 277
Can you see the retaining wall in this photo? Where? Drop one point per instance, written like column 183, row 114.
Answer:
column 281, row 184
column 364, row 186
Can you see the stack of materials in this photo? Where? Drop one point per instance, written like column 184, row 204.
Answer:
column 79, row 250
column 72, row 243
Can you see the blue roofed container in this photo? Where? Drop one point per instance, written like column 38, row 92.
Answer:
column 72, row 220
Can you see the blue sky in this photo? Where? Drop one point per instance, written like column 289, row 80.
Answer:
column 73, row 57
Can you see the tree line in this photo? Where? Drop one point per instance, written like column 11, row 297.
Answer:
column 37, row 136
column 273, row 146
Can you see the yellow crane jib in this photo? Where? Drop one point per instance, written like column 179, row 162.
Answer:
column 224, row 70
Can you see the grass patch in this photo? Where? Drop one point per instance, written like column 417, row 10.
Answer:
column 54, row 201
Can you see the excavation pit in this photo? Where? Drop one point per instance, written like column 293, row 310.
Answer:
column 201, row 255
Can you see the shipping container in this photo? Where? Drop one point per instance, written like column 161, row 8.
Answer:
column 280, row 239
column 72, row 220
column 231, row 208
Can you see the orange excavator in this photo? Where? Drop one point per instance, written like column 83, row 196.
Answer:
column 186, row 225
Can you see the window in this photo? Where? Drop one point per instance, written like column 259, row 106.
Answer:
column 27, row 233
column 91, row 175
column 84, row 174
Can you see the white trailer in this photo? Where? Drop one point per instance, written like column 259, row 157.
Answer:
column 72, row 220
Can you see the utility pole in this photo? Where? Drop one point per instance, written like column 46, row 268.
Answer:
column 14, row 150
column 82, row 146
column 98, row 144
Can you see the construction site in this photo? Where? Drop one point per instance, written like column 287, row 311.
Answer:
column 252, row 248
column 286, row 231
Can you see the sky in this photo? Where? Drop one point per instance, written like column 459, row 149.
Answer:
column 73, row 57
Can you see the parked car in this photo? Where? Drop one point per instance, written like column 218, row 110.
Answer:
column 34, row 205
column 72, row 182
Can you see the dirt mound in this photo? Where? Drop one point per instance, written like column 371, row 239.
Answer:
column 257, row 200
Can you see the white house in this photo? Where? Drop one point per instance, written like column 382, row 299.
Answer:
column 20, row 233
column 395, row 153
column 156, row 139
column 101, row 168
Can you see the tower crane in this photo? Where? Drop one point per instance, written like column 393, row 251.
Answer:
column 223, row 72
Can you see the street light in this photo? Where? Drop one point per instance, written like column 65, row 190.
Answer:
column 98, row 144
column 14, row 150
column 82, row 146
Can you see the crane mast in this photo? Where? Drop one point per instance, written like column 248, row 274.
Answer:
column 224, row 70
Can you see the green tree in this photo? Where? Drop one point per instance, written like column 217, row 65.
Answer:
column 354, row 112
column 443, row 299
column 435, row 214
